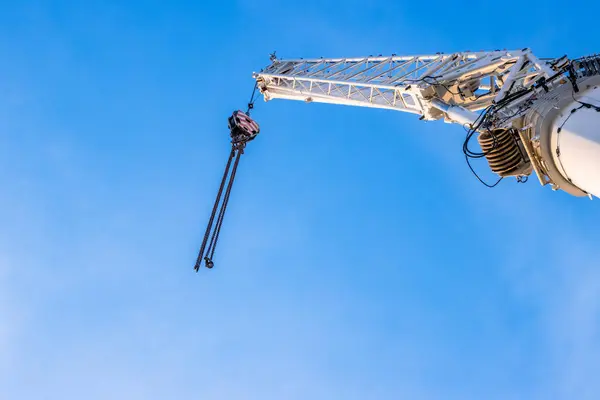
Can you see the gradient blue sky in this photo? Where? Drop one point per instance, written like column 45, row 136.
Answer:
column 359, row 259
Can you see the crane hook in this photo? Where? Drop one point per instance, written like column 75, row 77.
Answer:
column 242, row 130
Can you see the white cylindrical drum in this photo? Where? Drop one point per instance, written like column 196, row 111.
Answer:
column 575, row 142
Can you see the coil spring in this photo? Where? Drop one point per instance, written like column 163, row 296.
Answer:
column 501, row 151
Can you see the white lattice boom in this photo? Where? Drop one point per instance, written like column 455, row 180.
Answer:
column 405, row 83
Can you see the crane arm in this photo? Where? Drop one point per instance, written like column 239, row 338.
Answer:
column 451, row 86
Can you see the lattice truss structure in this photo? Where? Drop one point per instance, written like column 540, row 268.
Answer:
column 423, row 84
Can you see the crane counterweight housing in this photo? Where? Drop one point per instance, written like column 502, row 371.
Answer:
column 531, row 115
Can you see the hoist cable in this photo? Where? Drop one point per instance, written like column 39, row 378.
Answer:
column 215, row 237
column 252, row 99
column 214, row 210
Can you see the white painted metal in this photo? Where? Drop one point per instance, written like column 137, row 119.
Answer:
column 456, row 114
column 471, row 80
column 576, row 145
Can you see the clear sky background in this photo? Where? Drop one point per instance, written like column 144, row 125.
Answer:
column 360, row 259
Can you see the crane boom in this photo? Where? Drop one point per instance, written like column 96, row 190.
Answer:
column 471, row 80
column 515, row 102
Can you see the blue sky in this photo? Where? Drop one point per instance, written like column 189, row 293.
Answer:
column 359, row 258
